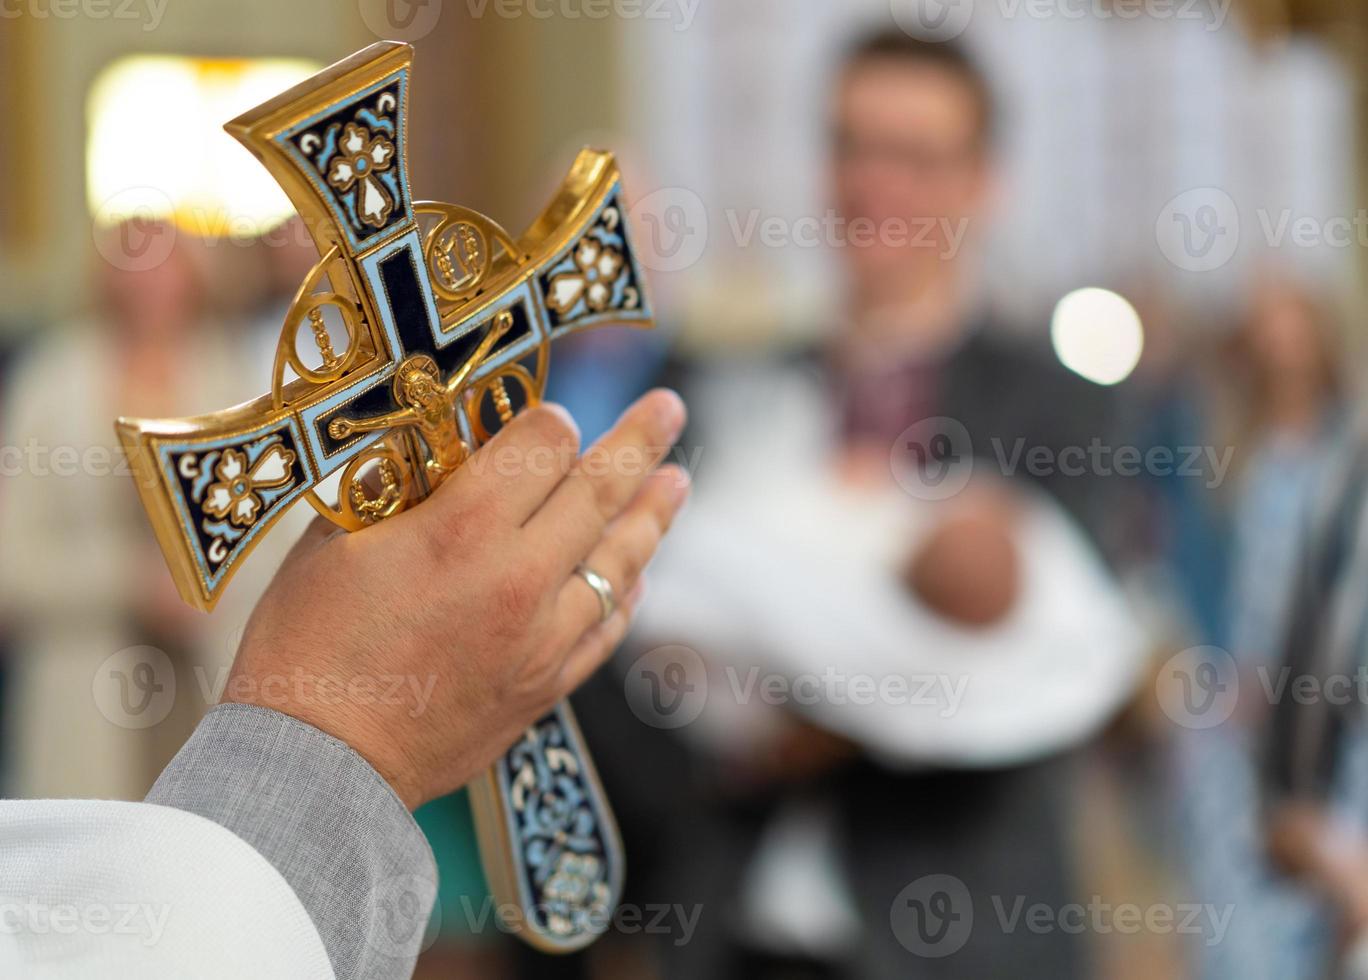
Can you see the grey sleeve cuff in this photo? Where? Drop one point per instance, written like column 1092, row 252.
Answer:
column 328, row 822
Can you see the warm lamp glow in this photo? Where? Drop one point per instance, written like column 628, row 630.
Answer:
column 156, row 146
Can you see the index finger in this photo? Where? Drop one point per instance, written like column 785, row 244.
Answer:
column 512, row 474
column 605, row 479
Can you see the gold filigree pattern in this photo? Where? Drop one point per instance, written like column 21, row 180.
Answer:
column 374, row 508
column 461, row 257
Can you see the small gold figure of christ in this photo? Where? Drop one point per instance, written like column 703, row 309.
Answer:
column 430, row 406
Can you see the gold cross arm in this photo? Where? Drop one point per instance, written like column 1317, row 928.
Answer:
column 416, row 335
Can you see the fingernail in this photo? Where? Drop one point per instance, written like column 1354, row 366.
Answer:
column 671, row 412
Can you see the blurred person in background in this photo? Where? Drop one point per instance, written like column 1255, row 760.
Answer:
column 798, row 832
column 1288, row 363
column 81, row 577
column 1314, row 651
column 1284, row 393
column 1315, row 773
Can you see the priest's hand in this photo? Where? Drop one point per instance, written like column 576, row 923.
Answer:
column 430, row 641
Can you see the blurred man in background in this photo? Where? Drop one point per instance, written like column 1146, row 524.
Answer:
column 799, row 835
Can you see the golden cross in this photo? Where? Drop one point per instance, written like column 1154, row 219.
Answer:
column 442, row 311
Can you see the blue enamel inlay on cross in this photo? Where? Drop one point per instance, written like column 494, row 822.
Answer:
column 315, row 144
column 274, row 501
column 315, row 417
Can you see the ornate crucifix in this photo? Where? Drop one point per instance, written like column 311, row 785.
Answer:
column 448, row 323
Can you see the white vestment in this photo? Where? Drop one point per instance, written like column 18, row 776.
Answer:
column 99, row 888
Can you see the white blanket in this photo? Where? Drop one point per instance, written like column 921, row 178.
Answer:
column 778, row 569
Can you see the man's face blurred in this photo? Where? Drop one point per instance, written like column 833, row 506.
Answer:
column 908, row 162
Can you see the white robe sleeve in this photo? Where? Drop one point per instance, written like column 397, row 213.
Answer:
column 97, row 888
